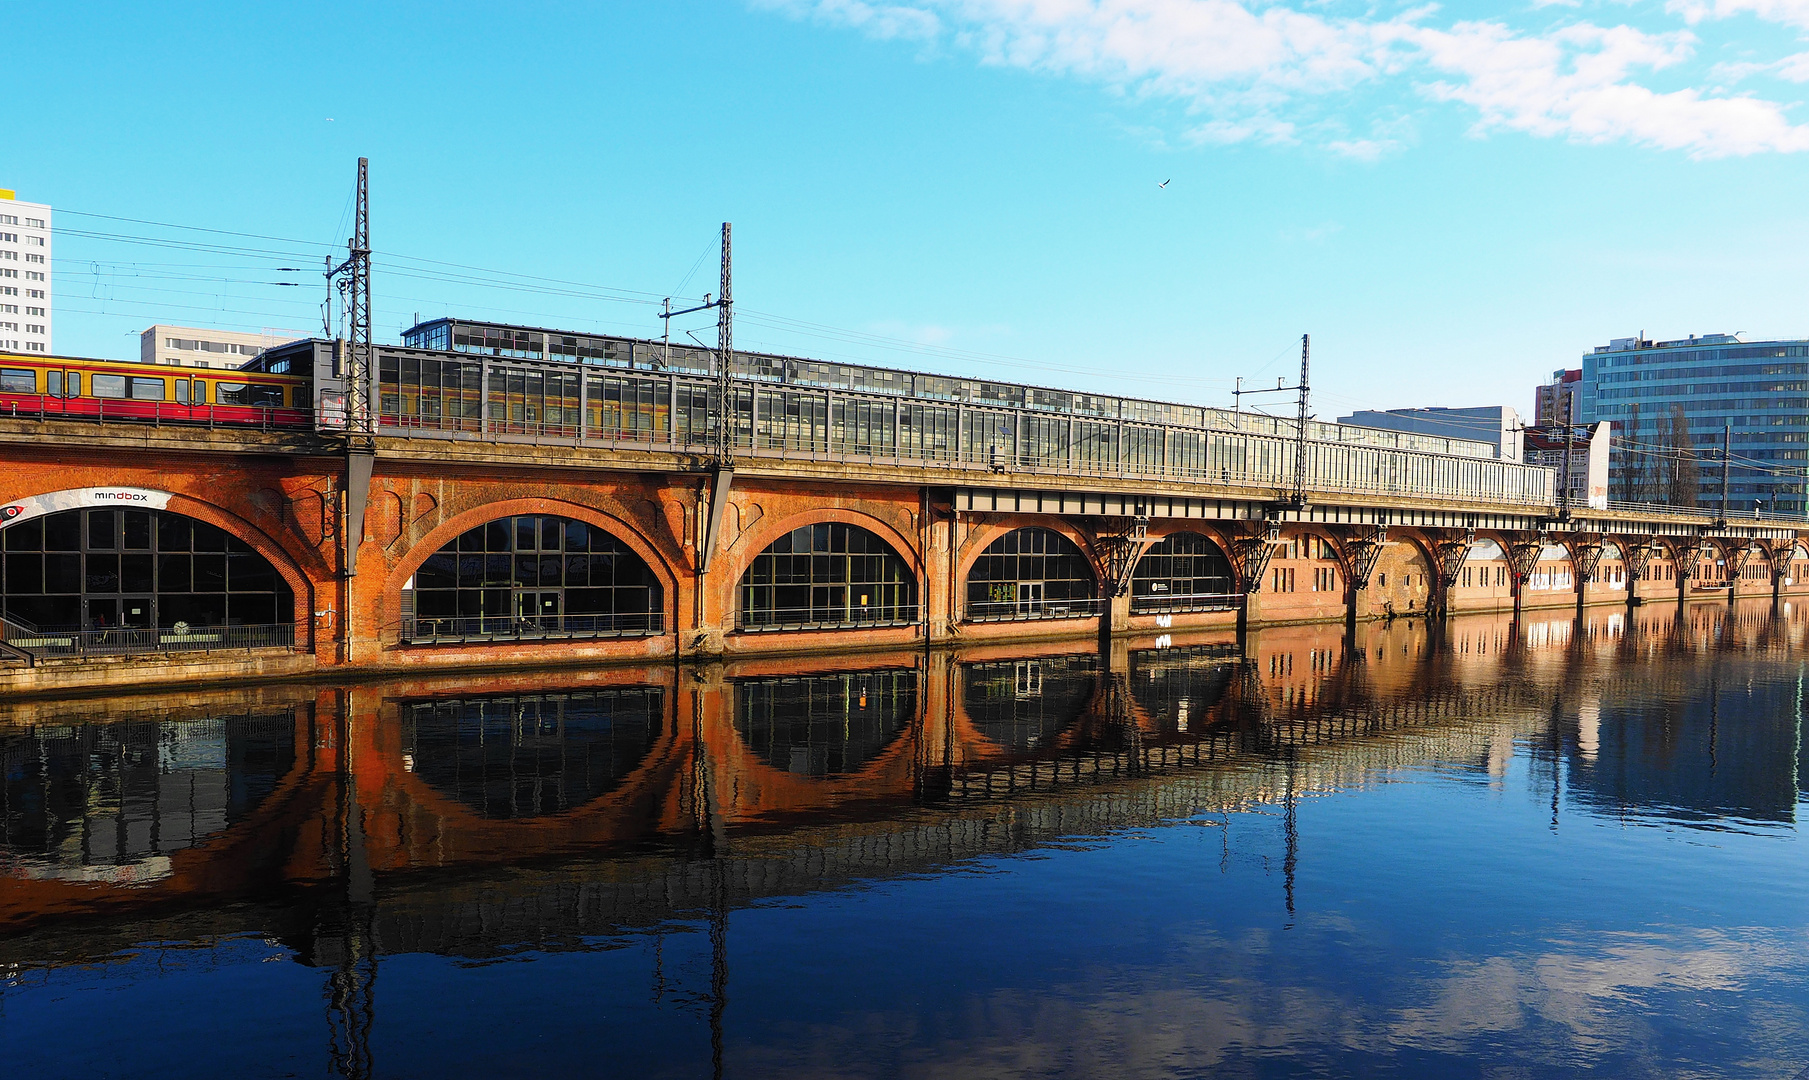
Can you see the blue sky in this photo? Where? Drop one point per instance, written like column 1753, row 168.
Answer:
column 1454, row 201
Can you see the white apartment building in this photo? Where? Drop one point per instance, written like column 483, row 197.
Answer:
column 24, row 275
column 196, row 347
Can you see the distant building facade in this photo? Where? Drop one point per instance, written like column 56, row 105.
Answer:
column 1498, row 425
column 197, row 347
column 25, row 280
column 1558, row 401
column 1590, row 448
column 1759, row 388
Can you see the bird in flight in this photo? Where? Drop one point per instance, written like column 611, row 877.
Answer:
column 1164, row 183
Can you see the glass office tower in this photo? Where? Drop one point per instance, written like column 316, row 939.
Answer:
column 1761, row 388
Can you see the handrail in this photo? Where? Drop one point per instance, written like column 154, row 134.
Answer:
column 46, row 642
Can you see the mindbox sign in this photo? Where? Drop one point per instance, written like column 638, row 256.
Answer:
column 82, row 499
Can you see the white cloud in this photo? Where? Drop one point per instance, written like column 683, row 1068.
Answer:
column 1790, row 12
column 1574, row 83
column 1268, row 73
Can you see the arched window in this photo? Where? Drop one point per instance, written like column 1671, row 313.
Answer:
column 1183, row 572
column 1032, row 573
column 534, row 575
column 827, row 575
column 824, row 725
column 535, row 754
column 139, row 579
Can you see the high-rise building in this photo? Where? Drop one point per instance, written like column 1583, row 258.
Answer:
column 24, row 275
column 1557, row 402
column 196, row 347
column 1497, row 425
column 1672, row 403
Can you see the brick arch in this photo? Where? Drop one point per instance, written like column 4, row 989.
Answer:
column 983, row 536
column 287, row 566
column 766, row 531
column 455, row 526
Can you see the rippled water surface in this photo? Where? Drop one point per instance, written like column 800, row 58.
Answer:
column 1496, row 849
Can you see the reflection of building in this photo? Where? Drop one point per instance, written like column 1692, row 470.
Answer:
column 111, row 802
column 1587, row 484
column 25, row 283
column 1498, row 425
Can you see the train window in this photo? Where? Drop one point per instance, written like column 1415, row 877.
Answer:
column 243, row 394
column 18, row 381
column 122, row 386
column 146, row 389
column 109, row 386
column 53, row 383
column 182, row 391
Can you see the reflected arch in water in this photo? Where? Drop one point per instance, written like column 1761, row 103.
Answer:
column 111, row 801
column 1179, row 689
column 1025, row 705
column 824, row 725
column 519, row 756
column 1183, row 571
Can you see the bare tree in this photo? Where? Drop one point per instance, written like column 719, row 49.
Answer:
column 1686, row 474
column 1636, row 470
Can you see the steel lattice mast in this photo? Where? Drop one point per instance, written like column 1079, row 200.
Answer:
column 725, row 357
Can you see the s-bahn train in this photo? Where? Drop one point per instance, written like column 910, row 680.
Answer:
column 52, row 386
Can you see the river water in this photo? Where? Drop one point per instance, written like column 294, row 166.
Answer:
column 1492, row 848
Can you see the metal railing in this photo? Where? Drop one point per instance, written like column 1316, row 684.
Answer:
column 425, row 630
column 764, row 619
column 1030, row 610
column 56, row 641
column 1168, row 605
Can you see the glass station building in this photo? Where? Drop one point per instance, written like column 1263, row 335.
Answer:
column 1761, row 388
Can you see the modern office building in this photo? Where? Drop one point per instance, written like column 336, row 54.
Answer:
column 25, row 285
column 1759, row 388
column 1498, row 425
column 196, row 347
column 1589, row 452
column 1558, row 401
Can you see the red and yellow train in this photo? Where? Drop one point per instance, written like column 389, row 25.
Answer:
column 115, row 389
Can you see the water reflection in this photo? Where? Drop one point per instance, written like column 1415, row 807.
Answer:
column 1027, row 704
column 110, row 802
column 1225, row 848
column 525, row 755
column 824, row 725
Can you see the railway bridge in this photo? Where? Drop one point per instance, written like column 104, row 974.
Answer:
column 519, row 506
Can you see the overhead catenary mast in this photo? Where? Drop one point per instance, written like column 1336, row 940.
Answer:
column 353, row 277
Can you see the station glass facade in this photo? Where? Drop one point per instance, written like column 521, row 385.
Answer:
column 1760, row 388
column 457, row 377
